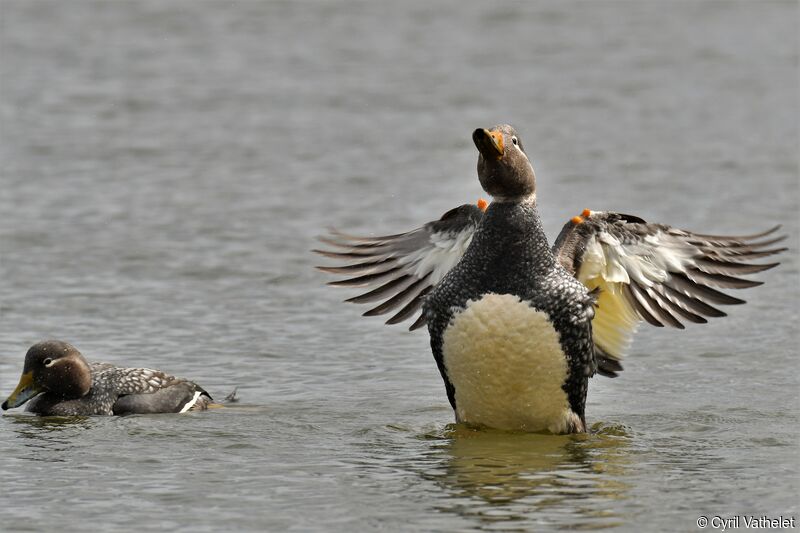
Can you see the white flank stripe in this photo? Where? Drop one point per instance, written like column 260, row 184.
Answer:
column 191, row 402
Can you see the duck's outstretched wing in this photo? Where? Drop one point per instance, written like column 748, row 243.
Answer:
column 399, row 270
column 654, row 273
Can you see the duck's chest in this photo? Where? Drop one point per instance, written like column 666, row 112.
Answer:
column 509, row 330
column 52, row 405
column 506, row 363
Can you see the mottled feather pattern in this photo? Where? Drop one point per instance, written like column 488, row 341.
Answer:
column 132, row 380
column 97, row 366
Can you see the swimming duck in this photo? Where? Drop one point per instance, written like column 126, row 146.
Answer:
column 59, row 381
column 518, row 327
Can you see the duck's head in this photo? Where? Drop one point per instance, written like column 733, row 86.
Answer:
column 503, row 167
column 54, row 367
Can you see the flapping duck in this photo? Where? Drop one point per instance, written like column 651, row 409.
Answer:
column 517, row 326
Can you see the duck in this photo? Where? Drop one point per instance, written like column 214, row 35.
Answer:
column 58, row 381
column 517, row 326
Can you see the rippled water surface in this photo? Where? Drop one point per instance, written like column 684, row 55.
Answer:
column 166, row 167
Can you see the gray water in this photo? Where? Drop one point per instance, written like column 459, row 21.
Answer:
column 166, row 167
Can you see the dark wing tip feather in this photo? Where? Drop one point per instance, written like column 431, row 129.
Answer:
column 344, row 255
column 607, row 365
column 418, row 323
column 754, row 236
column 392, row 303
column 638, row 302
column 358, row 268
column 348, row 245
column 410, row 308
column 731, row 268
column 768, row 242
column 719, row 265
column 381, row 292
column 356, row 238
column 630, row 218
column 607, row 373
column 721, row 281
column 365, row 280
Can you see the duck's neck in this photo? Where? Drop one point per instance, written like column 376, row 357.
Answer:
column 511, row 232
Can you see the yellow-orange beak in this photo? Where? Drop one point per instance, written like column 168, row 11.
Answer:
column 489, row 143
column 26, row 389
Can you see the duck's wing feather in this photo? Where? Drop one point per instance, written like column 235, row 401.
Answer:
column 144, row 390
column 178, row 397
column 655, row 273
column 99, row 366
column 399, row 270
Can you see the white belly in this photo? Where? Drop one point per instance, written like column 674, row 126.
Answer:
column 507, row 366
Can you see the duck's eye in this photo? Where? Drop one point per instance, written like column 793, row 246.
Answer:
column 515, row 141
column 48, row 362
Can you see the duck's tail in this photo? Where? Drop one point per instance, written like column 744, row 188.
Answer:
column 230, row 398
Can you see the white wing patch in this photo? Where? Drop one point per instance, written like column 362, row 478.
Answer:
column 615, row 321
column 610, row 265
column 445, row 254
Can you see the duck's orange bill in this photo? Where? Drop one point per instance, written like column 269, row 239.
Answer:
column 497, row 140
column 26, row 389
column 489, row 143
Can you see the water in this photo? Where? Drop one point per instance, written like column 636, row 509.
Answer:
column 165, row 168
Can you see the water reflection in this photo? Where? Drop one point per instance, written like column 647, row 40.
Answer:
column 44, row 435
column 530, row 480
